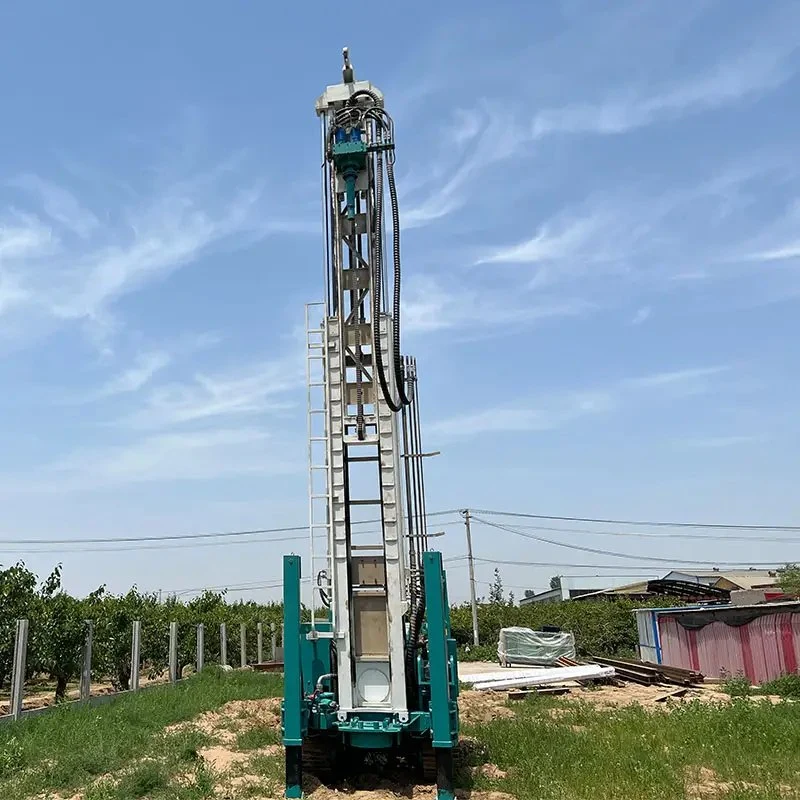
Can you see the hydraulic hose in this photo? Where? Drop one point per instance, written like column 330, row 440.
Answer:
column 383, row 123
column 412, row 644
column 398, row 359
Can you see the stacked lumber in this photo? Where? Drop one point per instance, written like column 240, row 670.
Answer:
column 630, row 669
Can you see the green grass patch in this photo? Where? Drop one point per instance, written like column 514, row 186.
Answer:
column 787, row 686
column 571, row 750
column 68, row 748
column 255, row 738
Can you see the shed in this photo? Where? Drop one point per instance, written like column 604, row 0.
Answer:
column 760, row 642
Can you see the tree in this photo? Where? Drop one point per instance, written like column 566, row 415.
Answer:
column 496, row 588
column 530, row 593
column 17, row 601
column 60, row 634
column 555, row 582
column 789, row 579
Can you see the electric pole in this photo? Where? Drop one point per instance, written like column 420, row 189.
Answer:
column 471, row 561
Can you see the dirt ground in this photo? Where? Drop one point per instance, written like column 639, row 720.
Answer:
column 237, row 774
column 258, row 774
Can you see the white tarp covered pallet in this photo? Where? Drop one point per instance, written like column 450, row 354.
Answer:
column 518, row 679
column 526, row 646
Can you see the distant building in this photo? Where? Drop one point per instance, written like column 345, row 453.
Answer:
column 674, row 582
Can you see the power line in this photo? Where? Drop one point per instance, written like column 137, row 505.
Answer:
column 195, row 536
column 671, row 535
column 613, row 553
column 652, row 524
column 681, row 564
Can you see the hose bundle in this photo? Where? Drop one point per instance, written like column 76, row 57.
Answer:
column 384, row 128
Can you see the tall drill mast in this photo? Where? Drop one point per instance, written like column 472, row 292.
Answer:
column 363, row 675
column 366, row 386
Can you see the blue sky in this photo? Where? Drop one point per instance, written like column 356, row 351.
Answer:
column 601, row 240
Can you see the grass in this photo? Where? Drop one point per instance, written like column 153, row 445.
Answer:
column 69, row 748
column 787, row 686
column 571, row 750
column 552, row 749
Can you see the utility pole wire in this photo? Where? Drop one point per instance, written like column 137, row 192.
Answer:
column 473, row 601
column 660, row 524
column 612, row 552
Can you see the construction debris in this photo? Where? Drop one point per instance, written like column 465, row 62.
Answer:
column 520, row 679
column 662, row 698
column 521, row 694
column 649, row 674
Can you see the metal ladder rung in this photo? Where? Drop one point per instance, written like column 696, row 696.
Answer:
column 365, row 502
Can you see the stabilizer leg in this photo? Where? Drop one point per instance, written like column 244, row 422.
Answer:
column 294, row 772
column 444, row 774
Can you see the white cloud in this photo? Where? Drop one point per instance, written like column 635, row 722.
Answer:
column 562, row 238
column 70, row 268
column 59, row 204
column 723, row 441
column 751, row 73
column 23, row 236
column 253, row 389
column 677, row 377
column 199, row 455
column 430, row 305
column 490, row 135
column 138, row 375
column 549, row 414
column 562, row 408
column 642, row 315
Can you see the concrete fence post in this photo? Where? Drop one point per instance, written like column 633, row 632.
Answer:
column 18, row 668
column 136, row 648
column 173, row 652
column 275, row 642
column 223, row 645
column 86, row 671
column 201, row 647
column 242, row 645
column 260, row 646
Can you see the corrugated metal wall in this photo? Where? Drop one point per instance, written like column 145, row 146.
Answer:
column 648, row 644
column 761, row 650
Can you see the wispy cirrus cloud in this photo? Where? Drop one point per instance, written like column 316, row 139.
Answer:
column 747, row 75
column 474, row 141
column 558, row 409
column 252, row 389
column 714, row 442
column 59, row 265
column 548, row 414
column 138, row 375
column 59, row 204
column 437, row 304
column 187, row 456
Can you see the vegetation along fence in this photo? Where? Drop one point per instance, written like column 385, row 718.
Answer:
column 55, row 647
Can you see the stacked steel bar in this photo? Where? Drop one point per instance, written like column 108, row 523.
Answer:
column 649, row 674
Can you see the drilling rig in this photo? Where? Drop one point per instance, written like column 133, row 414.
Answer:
column 369, row 661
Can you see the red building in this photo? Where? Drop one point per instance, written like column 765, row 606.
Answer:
column 759, row 642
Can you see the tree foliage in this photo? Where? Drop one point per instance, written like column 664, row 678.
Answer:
column 789, row 579
column 58, row 624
